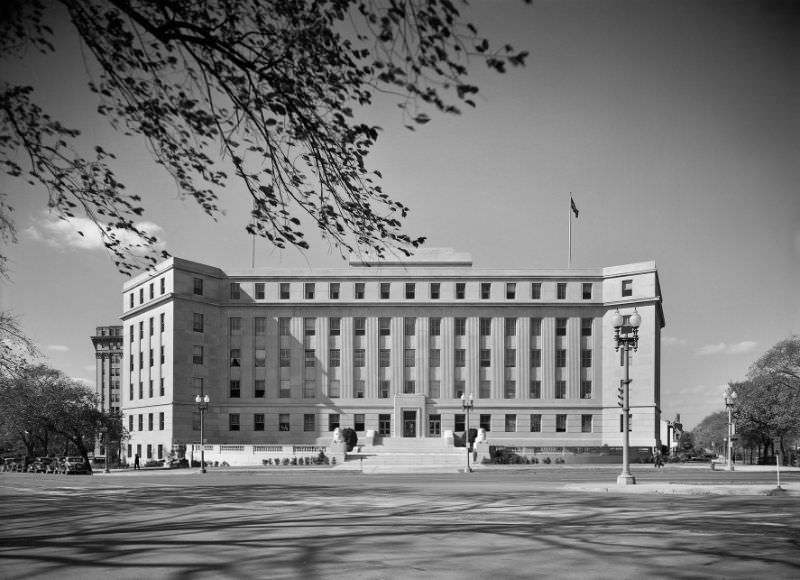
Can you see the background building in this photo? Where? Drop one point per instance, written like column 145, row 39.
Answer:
column 286, row 356
column 107, row 342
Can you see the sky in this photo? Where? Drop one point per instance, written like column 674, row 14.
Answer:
column 674, row 125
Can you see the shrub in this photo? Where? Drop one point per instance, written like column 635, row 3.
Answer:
column 546, row 460
column 277, row 461
column 534, row 460
column 350, row 438
column 321, row 457
column 560, row 460
column 333, row 461
column 286, row 461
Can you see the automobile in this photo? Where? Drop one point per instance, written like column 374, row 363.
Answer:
column 7, row 463
column 74, row 465
column 43, row 465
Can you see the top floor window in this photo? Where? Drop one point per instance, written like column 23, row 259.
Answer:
column 131, row 301
column 198, row 286
column 561, row 291
column 309, row 290
column 152, row 291
column 141, row 295
column 627, row 288
column 260, row 294
column 536, row 290
column 587, row 290
column 511, row 290
column 359, row 291
column 435, row 289
column 486, row 290
column 235, row 291
column 333, row 291
column 461, row 290
column 284, row 291
column 163, row 284
column 385, row 290
column 410, row 290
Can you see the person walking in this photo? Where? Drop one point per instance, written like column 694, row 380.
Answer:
column 136, row 462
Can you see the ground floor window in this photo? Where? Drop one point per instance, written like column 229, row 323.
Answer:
column 586, row 389
column 160, row 451
column 536, row 423
column 333, row 421
column 486, row 422
column 434, row 425
column 358, row 422
column 511, row 423
column 460, row 424
column 561, row 423
column 309, row 422
column 586, row 423
column 258, row 422
column 385, row 425
column 233, row 422
column 149, row 451
column 283, row 422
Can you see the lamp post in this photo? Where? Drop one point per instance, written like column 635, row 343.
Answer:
column 626, row 337
column 730, row 398
column 467, row 404
column 202, row 405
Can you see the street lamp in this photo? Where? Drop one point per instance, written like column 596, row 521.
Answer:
column 626, row 337
column 467, row 404
column 730, row 398
column 202, row 406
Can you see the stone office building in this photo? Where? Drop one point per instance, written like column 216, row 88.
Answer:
column 107, row 342
column 288, row 355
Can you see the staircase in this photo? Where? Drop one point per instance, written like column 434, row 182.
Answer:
column 408, row 454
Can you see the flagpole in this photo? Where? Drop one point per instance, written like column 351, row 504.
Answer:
column 569, row 210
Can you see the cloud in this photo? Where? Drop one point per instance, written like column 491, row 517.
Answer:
column 672, row 341
column 725, row 348
column 87, row 382
column 58, row 347
column 82, row 234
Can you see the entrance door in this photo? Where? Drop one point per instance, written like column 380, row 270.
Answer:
column 409, row 423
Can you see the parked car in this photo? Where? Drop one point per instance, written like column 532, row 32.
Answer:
column 74, row 465
column 42, row 465
column 7, row 463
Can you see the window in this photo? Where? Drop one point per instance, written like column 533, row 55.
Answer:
column 358, row 389
column 458, row 422
column 586, row 389
column 434, row 425
column 161, row 390
column 284, row 326
column 141, row 360
column 334, row 326
column 259, row 389
column 163, row 285
column 435, row 358
column 459, row 388
column 334, row 388
column 359, row 291
column 334, row 357
column 435, row 291
column 163, row 318
column 586, row 327
column 141, row 422
column 561, row 291
column 309, row 326
column 285, row 357
column 561, row 389
column 511, row 357
column 409, row 357
column 141, row 295
column 409, row 387
column 258, row 421
column 561, row 327
column 435, row 387
column 358, row 422
column 586, row 358
column 309, row 422
column 411, row 290
column 510, row 389
column 309, row 389
column 385, row 290
column 333, row 421
column 536, row 423
column 236, row 357
column 149, row 450
column 360, row 326
column 536, row 357
column 131, row 332
column 535, row 389
column 384, row 424
column 308, row 292
column 131, row 300
column 260, row 294
column 284, row 291
column 197, row 322
column 536, row 290
column 561, row 357
column 461, row 326
column 198, row 286
column 235, row 291
column 152, row 291
column 384, row 326
column 511, row 326
column 141, row 329
column 484, row 389
column 260, row 357
column 260, row 326
column 511, row 290
column 197, row 384
column 161, row 421
column 235, row 325
column 485, row 357
column 149, row 421
column 511, row 423
column 485, row 326
column 151, row 326
column 485, row 422
column 236, row 389
column 383, row 389
column 461, row 290
column 561, row 423
column 627, row 288
column 460, row 357
column 163, row 357
column 486, row 290
column 233, row 422
column 152, row 357
column 197, row 354
column 409, row 326
column 283, row 422
column 359, row 357
column 384, row 357
column 310, row 358
column 435, row 326
column 150, row 389
column 536, row 327
column 587, row 290
column 333, row 291
column 130, row 422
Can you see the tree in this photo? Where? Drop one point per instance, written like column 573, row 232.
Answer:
column 274, row 85
column 781, row 364
column 350, row 437
column 15, row 346
column 711, row 431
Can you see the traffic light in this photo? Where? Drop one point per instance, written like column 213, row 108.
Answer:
column 621, row 394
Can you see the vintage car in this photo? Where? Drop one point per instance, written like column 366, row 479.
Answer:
column 74, row 465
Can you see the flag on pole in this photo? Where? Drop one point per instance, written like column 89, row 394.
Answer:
column 574, row 207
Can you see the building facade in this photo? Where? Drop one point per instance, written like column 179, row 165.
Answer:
column 107, row 342
column 286, row 356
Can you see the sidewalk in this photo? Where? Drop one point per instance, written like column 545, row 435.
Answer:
column 792, row 489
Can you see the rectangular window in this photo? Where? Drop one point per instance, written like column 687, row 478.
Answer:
column 510, row 389
column 310, row 360
column 284, row 291
column 359, row 357
column 163, row 357
column 131, row 301
column 141, row 360
column 160, row 451
column 458, row 422
column 333, row 291
column 358, row 389
column 485, row 422
column 383, row 389
column 163, row 319
column 150, row 389
column 561, row 357
column 536, row 358
column 385, row 425
column 384, row 326
column 259, row 326
column 285, row 357
column 586, row 327
column 309, row 389
column 131, row 331
column 130, row 422
column 149, row 450
column 161, row 421
column 511, row 327
column 359, row 291
column 536, row 327
column 358, row 422
column 198, row 286
column 561, row 423
column 235, row 325
column 459, row 388
column 161, row 390
column 536, row 423
column 141, row 330
column 385, row 293
column 284, row 326
column 409, row 357
column 384, row 357
column 236, row 357
column 511, row 290
column 258, row 421
column 283, row 422
column 141, row 295
column 561, row 389
column 233, row 422
column 409, row 326
column 197, row 354
column 334, row 388
column 435, row 358
column 586, row 389
column 260, row 388
column 197, row 322
column 587, row 291
column 411, row 290
column 334, row 326
column 152, row 291
column 535, row 389
column 260, row 293
column 309, row 326
column 434, row 425
column 561, row 327
column 485, row 326
column 435, row 387
column 334, row 422
column 484, row 389
column 334, row 357
column 360, row 326
column 141, row 422
column 536, row 290
column 309, row 291
column 309, row 422
column 235, row 291
column 435, row 291
column 486, row 290
column 409, row 387
column 163, row 284
column 461, row 326
column 561, row 291
column 149, row 421
column 586, row 358
column 151, row 326
column 511, row 423
column 460, row 357
column 511, row 357
column 236, row 389
column 485, row 357
column 152, row 357
column 461, row 290
column 435, row 326
column 627, row 288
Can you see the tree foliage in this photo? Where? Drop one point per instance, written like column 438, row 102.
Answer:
column 711, row 431
column 269, row 88
column 780, row 365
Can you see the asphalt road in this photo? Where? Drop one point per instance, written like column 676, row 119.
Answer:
column 511, row 523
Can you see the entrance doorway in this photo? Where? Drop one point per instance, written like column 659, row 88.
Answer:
column 409, row 423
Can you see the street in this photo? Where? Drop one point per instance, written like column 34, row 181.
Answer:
column 512, row 523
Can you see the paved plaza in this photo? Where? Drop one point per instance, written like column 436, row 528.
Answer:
column 499, row 523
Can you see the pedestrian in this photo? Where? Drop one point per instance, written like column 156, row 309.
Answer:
column 657, row 462
column 136, row 462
